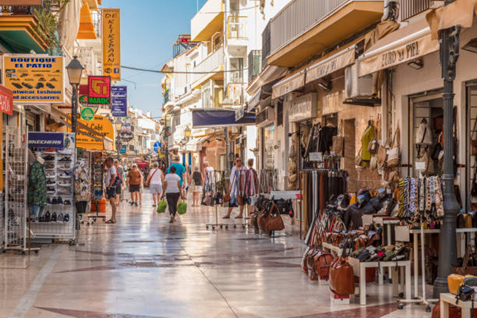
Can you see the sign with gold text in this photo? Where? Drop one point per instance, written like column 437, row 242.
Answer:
column 99, row 90
column 99, row 124
column 34, row 78
column 112, row 43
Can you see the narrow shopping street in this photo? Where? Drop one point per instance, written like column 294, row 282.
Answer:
column 145, row 267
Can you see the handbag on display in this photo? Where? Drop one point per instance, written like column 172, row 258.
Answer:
column 322, row 263
column 454, row 281
column 373, row 147
column 358, row 161
column 423, row 134
column 393, row 159
column 274, row 220
column 465, row 269
column 382, row 156
column 262, row 219
column 342, row 277
column 473, row 191
column 474, row 141
column 428, row 163
column 338, row 145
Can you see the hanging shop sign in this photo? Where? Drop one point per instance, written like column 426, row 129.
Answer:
column 303, row 107
column 126, row 132
column 112, row 43
column 119, row 101
column 101, row 125
column 331, row 64
column 34, row 78
column 6, row 100
column 83, row 95
column 99, row 90
column 87, row 113
column 46, row 140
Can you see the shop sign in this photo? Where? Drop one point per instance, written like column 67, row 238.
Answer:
column 330, row 65
column 87, row 113
column 99, row 90
column 399, row 55
column 303, row 107
column 34, row 78
column 46, row 140
column 123, row 149
column 126, row 132
column 119, row 101
column 112, row 43
column 101, row 125
column 6, row 100
column 288, row 85
column 157, row 146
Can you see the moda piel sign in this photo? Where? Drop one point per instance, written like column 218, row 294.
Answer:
column 303, row 107
column 99, row 90
column 46, row 140
column 112, row 43
column 34, row 78
column 119, row 101
column 6, row 100
column 87, row 113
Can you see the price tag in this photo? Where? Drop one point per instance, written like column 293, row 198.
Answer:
column 316, row 156
column 420, row 165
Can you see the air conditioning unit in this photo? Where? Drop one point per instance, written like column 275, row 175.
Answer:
column 359, row 90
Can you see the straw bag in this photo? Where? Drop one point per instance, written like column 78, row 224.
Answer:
column 428, row 162
column 393, row 159
column 358, row 161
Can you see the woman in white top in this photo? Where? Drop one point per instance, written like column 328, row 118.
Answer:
column 154, row 180
column 172, row 191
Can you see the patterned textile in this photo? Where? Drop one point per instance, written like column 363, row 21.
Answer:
column 37, row 185
column 82, row 192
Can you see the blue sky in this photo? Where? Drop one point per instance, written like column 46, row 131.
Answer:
column 148, row 30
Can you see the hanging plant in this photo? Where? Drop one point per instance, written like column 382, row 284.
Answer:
column 48, row 22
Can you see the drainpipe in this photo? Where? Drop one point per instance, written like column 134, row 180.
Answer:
column 449, row 54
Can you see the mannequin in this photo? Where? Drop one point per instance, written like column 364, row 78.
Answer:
column 37, row 188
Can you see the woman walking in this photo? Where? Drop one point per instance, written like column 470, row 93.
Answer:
column 154, row 182
column 172, row 191
column 196, row 186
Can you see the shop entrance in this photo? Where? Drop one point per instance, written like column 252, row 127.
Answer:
column 471, row 151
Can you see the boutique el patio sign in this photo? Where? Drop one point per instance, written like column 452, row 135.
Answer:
column 34, row 78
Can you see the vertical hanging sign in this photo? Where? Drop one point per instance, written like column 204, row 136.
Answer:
column 112, row 43
column 119, row 101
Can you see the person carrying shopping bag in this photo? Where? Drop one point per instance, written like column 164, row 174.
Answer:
column 172, row 192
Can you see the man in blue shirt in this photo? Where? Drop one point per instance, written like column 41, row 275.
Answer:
column 180, row 170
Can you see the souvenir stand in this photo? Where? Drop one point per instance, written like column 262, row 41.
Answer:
column 16, row 171
column 97, row 180
column 58, row 218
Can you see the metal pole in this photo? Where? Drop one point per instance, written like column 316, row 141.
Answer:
column 449, row 54
column 74, row 119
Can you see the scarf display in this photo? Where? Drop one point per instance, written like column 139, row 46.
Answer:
column 268, row 180
column 420, row 195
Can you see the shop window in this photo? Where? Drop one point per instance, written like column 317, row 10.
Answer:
column 471, row 180
column 268, row 148
column 280, row 113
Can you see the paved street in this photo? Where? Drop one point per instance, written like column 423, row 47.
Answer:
column 144, row 267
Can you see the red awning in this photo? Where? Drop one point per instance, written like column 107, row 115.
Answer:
column 141, row 164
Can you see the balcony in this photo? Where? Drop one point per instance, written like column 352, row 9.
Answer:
column 237, row 31
column 21, row 31
column 411, row 8
column 254, row 64
column 235, row 93
column 306, row 27
column 211, row 67
column 266, row 38
column 166, row 96
column 208, row 21
column 88, row 60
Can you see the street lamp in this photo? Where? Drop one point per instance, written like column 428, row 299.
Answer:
column 187, row 132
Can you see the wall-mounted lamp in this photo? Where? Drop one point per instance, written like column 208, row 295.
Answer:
column 416, row 64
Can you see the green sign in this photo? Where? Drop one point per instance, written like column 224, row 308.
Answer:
column 99, row 100
column 83, row 99
column 87, row 113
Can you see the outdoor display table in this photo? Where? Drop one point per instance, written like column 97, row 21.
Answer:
column 449, row 299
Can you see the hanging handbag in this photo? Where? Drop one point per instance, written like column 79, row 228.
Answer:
column 473, row 191
column 393, row 159
column 262, row 219
column 428, row 164
column 274, row 221
column 423, row 135
column 465, row 269
column 382, row 156
column 358, row 161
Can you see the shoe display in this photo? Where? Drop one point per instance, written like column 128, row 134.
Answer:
column 60, row 217
column 53, row 217
column 48, row 201
column 67, row 202
column 49, row 85
column 64, row 191
column 49, row 158
column 50, row 181
column 65, row 159
column 54, row 201
column 49, row 166
column 65, row 175
column 17, row 85
column 39, row 85
column 26, row 85
column 59, row 200
column 50, row 176
column 47, row 217
column 65, row 151
column 50, row 150
column 66, row 218
column 64, row 184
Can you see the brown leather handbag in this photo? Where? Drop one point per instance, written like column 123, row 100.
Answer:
column 342, row 277
column 466, row 269
column 262, row 219
column 322, row 262
column 310, row 262
column 226, row 197
column 274, row 221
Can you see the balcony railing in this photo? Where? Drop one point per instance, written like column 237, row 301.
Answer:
column 209, row 64
column 266, row 41
column 166, row 96
column 410, row 8
column 254, row 64
column 298, row 17
column 236, row 28
column 86, row 57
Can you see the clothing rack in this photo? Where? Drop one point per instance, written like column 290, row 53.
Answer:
column 268, row 180
column 215, row 183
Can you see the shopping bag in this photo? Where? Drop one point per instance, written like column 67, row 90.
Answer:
column 161, row 207
column 182, row 207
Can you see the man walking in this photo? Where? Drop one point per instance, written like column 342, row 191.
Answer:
column 134, row 183
column 180, row 170
column 110, row 188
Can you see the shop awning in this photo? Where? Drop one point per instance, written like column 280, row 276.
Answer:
column 331, row 64
column 195, row 144
column 269, row 74
column 219, row 118
column 108, row 144
column 263, row 93
column 459, row 12
column 289, row 84
column 401, row 46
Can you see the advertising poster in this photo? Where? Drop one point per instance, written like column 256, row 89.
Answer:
column 6, row 100
column 101, row 125
column 119, row 101
column 46, row 140
column 99, row 90
column 112, row 43
column 34, row 78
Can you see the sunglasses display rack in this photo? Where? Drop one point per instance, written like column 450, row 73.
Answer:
column 57, row 220
column 15, row 231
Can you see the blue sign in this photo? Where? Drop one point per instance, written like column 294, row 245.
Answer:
column 123, row 149
column 119, row 101
column 157, row 145
column 46, row 140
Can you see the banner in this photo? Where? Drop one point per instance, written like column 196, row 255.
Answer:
column 46, row 140
column 101, row 125
column 34, row 78
column 119, row 101
column 112, row 43
column 6, row 100
column 99, row 90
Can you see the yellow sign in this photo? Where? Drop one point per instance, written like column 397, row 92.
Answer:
column 34, row 78
column 112, row 43
column 101, row 125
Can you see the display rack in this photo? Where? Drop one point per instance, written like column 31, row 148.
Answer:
column 97, row 184
column 16, row 149
column 211, row 181
column 2, row 222
column 58, row 219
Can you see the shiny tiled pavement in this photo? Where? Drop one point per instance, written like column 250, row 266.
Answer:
column 144, row 267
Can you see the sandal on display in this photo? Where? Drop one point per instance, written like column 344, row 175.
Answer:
column 110, row 222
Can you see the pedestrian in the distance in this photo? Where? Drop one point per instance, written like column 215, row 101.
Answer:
column 134, row 183
column 172, row 191
column 180, row 170
column 110, row 188
column 154, row 181
column 119, row 188
column 196, row 186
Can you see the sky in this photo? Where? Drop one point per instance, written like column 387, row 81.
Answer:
column 148, row 30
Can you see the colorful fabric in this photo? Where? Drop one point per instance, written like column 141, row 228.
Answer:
column 82, row 192
column 37, row 185
column 365, row 140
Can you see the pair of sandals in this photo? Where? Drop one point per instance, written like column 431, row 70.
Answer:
column 228, row 217
column 110, row 222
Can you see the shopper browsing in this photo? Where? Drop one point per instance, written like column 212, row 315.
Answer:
column 154, row 181
column 172, row 191
column 134, row 183
column 236, row 198
column 251, row 185
column 197, row 181
column 111, row 188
